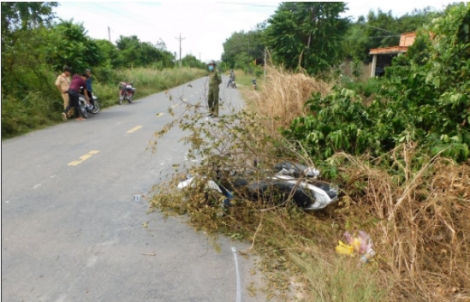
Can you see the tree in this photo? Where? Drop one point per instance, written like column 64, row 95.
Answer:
column 24, row 15
column 307, row 35
column 135, row 53
column 381, row 29
column 110, row 52
column 192, row 61
column 161, row 45
column 71, row 46
column 425, row 101
column 242, row 47
column 23, row 36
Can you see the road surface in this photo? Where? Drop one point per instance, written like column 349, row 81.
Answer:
column 72, row 231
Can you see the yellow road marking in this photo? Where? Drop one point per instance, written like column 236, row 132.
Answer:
column 134, row 129
column 159, row 114
column 83, row 158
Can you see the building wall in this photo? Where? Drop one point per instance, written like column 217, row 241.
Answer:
column 407, row 39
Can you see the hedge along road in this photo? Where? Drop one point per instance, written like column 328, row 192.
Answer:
column 72, row 231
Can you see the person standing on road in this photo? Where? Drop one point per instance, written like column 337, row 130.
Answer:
column 73, row 92
column 63, row 83
column 213, row 98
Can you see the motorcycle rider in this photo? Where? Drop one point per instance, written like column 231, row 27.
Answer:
column 231, row 78
column 74, row 94
column 213, row 97
column 88, row 86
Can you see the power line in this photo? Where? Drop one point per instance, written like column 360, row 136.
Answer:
column 382, row 36
column 247, row 4
column 380, row 29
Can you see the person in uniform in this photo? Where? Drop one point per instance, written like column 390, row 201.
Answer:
column 63, row 83
column 214, row 81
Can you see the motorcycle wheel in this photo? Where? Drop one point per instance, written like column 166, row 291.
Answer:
column 121, row 97
column 83, row 110
column 129, row 98
column 97, row 107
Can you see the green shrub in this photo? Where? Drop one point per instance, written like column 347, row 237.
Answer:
column 425, row 101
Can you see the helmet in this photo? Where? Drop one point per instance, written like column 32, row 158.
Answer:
column 211, row 62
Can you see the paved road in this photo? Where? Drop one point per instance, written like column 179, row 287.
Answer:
column 71, row 230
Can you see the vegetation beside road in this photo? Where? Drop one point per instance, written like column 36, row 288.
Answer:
column 398, row 147
column 36, row 46
column 42, row 107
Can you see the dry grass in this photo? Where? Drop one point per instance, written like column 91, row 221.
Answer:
column 283, row 97
column 416, row 209
column 422, row 230
column 422, row 234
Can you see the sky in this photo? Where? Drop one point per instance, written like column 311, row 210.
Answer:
column 204, row 26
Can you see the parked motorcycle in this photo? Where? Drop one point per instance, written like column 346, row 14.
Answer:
column 293, row 181
column 126, row 92
column 95, row 106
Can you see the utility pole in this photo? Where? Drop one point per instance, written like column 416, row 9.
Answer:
column 109, row 34
column 180, row 39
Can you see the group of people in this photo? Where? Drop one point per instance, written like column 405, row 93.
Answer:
column 70, row 90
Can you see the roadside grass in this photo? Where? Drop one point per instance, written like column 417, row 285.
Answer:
column 338, row 279
column 29, row 113
column 416, row 211
column 282, row 97
column 243, row 80
column 39, row 109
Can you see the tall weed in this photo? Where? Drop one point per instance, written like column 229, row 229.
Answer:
column 283, row 97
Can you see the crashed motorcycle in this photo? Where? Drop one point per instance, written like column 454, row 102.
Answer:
column 289, row 182
column 126, row 92
column 95, row 106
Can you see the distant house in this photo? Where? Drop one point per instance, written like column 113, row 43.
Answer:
column 382, row 57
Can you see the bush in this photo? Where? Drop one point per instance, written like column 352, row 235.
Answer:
column 364, row 88
column 418, row 102
column 105, row 75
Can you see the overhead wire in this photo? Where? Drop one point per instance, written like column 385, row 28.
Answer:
column 246, row 4
column 379, row 28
